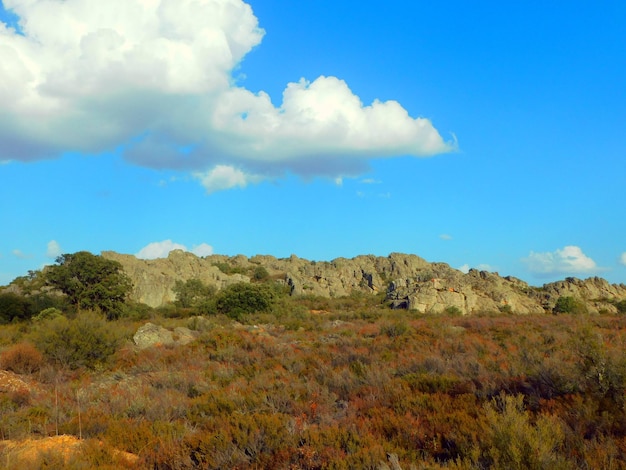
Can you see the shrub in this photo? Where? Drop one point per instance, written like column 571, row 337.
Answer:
column 569, row 304
column 48, row 314
column 394, row 329
column 84, row 341
column 514, row 442
column 621, row 306
column 22, row 358
column 260, row 274
column 242, row 298
column 453, row 310
column 192, row 293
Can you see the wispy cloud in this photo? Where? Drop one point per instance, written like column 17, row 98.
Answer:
column 21, row 255
column 162, row 249
column 445, row 236
column 622, row 259
column 156, row 79
column 568, row 260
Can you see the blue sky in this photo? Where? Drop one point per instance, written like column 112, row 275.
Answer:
column 484, row 135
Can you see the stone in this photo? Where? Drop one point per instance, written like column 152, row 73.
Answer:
column 150, row 335
column 407, row 281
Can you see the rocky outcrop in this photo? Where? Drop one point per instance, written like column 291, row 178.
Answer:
column 153, row 280
column 450, row 290
column 407, row 281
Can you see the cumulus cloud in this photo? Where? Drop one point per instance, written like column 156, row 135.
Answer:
column 156, row 250
column 154, row 78
column 569, row 260
column 53, row 250
column 202, row 250
column 622, row 259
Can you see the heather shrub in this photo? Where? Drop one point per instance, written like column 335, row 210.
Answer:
column 513, row 441
column 22, row 358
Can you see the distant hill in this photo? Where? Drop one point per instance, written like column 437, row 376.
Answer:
column 407, row 281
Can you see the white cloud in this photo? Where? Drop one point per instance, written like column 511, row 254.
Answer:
column 53, row 250
column 159, row 249
column 162, row 249
column 225, row 177
column 202, row 250
column 569, row 260
column 20, row 254
column 481, row 267
column 445, row 236
column 154, row 77
column 622, row 259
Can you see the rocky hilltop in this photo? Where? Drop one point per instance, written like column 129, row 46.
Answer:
column 408, row 281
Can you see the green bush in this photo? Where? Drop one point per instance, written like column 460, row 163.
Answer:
column 513, row 441
column 242, row 298
column 192, row 293
column 568, row 304
column 260, row 274
column 13, row 307
column 453, row 310
column 621, row 306
column 85, row 341
column 48, row 314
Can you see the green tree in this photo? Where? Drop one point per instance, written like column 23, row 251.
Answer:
column 14, row 307
column 192, row 293
column 91, row 282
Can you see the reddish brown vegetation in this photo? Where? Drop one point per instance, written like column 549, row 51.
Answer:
column 347, row 388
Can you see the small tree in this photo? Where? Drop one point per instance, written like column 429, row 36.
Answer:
column 192, row 293
column 91, row 282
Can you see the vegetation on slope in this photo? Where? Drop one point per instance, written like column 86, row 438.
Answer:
column 313, row 383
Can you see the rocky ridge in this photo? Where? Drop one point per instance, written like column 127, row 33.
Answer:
column 408, row 281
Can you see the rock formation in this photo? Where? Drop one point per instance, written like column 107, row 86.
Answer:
column 408, row 281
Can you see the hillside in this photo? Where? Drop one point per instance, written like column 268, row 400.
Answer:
column 408, row 281
column 245, row 375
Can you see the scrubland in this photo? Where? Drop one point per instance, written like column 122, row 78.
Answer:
column 319, row 384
